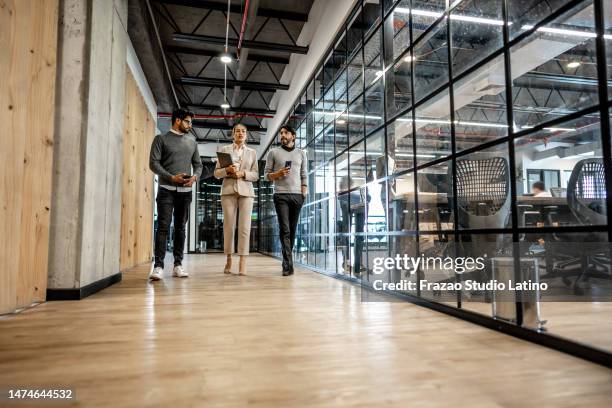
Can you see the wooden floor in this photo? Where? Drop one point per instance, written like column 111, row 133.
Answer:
column 264, row 340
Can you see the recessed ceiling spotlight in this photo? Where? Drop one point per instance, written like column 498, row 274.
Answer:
column 574, row 64
column 408, row 58
column 226, row 59
column 341, row 121
column 225, row 105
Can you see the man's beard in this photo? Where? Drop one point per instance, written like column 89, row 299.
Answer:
column 286, row 142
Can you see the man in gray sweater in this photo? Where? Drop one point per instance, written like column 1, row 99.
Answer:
column 286, row 167
column 172, row 157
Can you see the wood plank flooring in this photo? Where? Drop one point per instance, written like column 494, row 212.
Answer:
column 270, row 341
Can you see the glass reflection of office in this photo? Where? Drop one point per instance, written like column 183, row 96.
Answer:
column 208, row 213
column 561, row 175
column 479, row 100
column 476, row 32
column 430, row 61
column 425, row 13
column 554, row 68
column 400, row 145
column 433, row 130
column 391, row 198
column 398, row 85
column 435, row 199
column 396, row 33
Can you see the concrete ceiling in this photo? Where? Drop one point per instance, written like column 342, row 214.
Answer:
column 188, row 30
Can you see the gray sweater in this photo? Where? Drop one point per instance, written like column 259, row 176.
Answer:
column 172, row 154
column 292, row 182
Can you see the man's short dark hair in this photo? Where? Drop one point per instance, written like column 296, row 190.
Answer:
column 539, row 185
column 289, row 129
column 180, row 114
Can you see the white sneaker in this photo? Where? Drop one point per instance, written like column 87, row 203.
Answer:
column 179, row 272
column 156, row 274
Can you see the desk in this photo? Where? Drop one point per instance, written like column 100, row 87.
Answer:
column 552, row 210
column 424, row 198
column 428, row 203
column 541, row 201
column 543, row 205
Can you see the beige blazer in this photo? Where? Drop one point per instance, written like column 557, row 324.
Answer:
column 242, row 186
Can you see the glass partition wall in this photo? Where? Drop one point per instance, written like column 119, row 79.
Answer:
column 478, row 128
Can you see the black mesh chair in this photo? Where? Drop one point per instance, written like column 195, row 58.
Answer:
column 586, row 192
column 483, row 201
column 586, row 198
column 483, row 191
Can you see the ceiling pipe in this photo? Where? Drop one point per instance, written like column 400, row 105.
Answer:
column 249, row 14
column 242, row 27
column 229, row 116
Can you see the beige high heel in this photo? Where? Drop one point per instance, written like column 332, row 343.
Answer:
column 242, row 266
column 228, row 266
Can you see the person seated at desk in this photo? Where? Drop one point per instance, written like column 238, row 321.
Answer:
column 539, row 190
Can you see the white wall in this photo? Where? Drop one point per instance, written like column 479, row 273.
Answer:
column 551, row 163
column 141, row 80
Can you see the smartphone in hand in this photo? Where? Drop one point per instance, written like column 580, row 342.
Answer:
column 288, row 164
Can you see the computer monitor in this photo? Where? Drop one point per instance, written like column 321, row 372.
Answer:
column 558, row 191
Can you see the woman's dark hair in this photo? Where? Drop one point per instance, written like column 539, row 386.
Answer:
column 236, row 125
column 289, row 129
column 180, row 114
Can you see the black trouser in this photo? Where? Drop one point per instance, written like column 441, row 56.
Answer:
column 168, row 202
column 288, row 208
column 359, row 224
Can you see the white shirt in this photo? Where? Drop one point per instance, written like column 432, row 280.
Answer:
column 238, row 154
column 543, row 194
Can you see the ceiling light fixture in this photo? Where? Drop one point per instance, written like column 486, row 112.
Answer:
column 459, row 17
column 574, row 64
column 561, row 31
column 341, row 121
column 559, row 129
column 225, row 105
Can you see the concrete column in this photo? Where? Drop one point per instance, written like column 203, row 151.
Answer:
column 86, row 206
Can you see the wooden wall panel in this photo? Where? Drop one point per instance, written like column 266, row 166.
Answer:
column 137, row 194
column 28, row 48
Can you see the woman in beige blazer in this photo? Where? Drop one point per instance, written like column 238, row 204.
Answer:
column 237, row 194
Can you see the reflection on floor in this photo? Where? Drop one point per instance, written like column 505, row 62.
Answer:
column 265, row 340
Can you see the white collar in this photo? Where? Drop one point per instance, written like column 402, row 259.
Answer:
column 235, row 147
column 176, row 133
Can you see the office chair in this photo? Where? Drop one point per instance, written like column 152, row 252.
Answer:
column 483, row 191
column 586, row 192
column 483, row 201
column 586, row 198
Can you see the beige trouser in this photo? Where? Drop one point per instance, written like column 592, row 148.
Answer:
column 244, row 205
